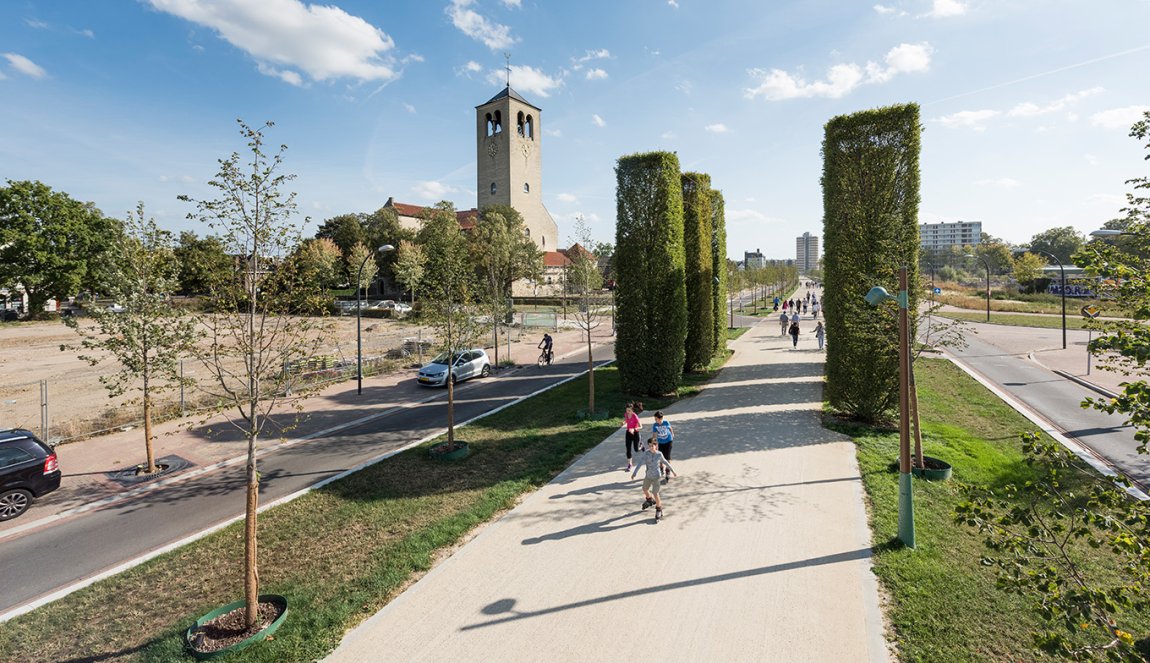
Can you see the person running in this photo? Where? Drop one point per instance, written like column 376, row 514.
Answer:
column 546, row 345
column 820, row 333
column 794, row 331
column 631, row 421
column 783, row 320
column 664, row 436
column 654, row 462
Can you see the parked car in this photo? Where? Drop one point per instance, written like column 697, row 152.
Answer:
column 28, row 470
column 400, row 307
column 466, row 364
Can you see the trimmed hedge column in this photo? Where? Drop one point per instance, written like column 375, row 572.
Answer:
column 719, row 269
column 870, row 228
column 650, row 293
column 697, row 238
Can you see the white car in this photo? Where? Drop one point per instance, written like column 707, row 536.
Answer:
column 466, row 364
column 400, row 307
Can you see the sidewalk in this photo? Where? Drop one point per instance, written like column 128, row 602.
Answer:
column 213, row 443
column 764, row 554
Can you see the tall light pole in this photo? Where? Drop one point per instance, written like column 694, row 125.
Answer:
column 1062, row 271
column 875, row 297
column 987, row 265
column 386, row 248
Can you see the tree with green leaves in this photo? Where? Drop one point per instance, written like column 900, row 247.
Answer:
column 314, row 261
column 254, row 338
column 870, row 223
column 502, row 254
column 651, row 321
column 363, row 267
column 586, row 282
column 1061, row 242
column 51, row 246
column 202, row 263
column 448, row 292
column 698, row 238
column 147, row 336
column 721, row 274
column 1028, row 269
column 409, row 266
column 347, row 231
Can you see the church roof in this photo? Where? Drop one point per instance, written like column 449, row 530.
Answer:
column 466, row 218
column 555, row 259
column 508, row 92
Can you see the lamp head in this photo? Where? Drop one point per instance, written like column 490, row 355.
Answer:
column 878, row 295
column 386, row 248
column 1106, row 232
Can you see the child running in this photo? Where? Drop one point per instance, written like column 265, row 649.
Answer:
column 664, row 435
column 653, row 461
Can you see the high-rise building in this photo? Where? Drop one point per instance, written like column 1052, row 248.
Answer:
column 807, row 252
column 753, row 260
column 934, row 237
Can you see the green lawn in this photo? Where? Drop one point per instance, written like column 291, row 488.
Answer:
column 1074, row 320
column 943, row 603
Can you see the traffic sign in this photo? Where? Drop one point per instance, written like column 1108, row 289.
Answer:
column 1091, row 311
column 938, row 291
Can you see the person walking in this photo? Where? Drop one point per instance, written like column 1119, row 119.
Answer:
column 804, row 308
column 664, row 436
column 794, row 331
column 631, row 421
column 815, row 310
column 654, row 463
column 783, row 320
column 820, row 333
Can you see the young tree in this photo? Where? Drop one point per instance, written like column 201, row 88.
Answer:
column 347, row 231
column 409, row 266
column 448, row 287
column 315, row 261
column 502, row 253
column 149, row 335
column 362, row 267
column 50, row 244
column 254, row 338
column 585, row 282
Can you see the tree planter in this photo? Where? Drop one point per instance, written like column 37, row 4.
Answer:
column 441, row 451
column 196, row 636
column 933, row 470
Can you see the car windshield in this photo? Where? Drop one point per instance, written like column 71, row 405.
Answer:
column 441, row 358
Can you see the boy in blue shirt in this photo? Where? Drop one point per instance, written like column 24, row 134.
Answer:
column 664, row 435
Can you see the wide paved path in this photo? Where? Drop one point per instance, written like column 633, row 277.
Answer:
column 764, row 554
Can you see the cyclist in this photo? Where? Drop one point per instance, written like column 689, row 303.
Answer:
column 545, row 345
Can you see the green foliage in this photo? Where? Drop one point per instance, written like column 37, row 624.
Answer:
column 698, row 238
column 202, row 263
column 996, row 252
column 363, row 266
column 502, row 254
column 1124, row 269
column 1061, row 242
column 585, row 282
column 409, row 265
column 1028, row 269
column 316, row 262
column 149, row 335
column 719, row 268
column 1035, row 531
column 870, row 205
column 50, row 244
column 651, row 321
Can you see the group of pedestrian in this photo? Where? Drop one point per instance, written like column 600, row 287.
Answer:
column 789, row 323
column 656, row 459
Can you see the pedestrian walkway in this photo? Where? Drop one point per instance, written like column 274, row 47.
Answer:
column 764, row 554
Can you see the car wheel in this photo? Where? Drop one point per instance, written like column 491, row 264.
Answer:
column 13, row 503
column 486, row 371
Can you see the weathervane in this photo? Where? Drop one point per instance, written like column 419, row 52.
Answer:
column 507, row 56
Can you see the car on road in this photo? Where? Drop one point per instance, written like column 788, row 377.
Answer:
column 465, row 364
column 28, row 470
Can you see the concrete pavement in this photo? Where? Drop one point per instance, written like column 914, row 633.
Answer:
column 764, row 554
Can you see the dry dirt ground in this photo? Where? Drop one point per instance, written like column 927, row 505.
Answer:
column 77, row 402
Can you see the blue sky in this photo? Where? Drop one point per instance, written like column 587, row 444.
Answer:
column 1026, row 105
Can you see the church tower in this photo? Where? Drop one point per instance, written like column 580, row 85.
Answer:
column 510, row 163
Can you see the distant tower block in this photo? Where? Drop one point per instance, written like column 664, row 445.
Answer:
column 509, row 158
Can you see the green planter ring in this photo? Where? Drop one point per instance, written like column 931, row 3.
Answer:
column 461, row 451
column 271, row 628
column 933, row 470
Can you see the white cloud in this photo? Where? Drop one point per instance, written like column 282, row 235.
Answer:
column 473, row 67
column 567, row 198
column 492, row 35
column 776, row 84
column 408, row 107
column 322, row 41
column 668, row 135
column 554, row 132
column 598, row 54
column 286, row 75
column 946, row 9
column 37, row 24
column 596, row 74
column 745, row 215
column 1000, row 183
column 25, row 66
column 87, row 33
column 684, row 86
column 516, row 4
column 1118, row 118
column 1091, row 159
column 673, row 3
column 1030, row 109
column 526, row 79
column 717, row 128
column 883, row 9
column 431, row 190
column 974, row 119
column 598, row 121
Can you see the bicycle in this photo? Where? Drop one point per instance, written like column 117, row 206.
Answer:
column 545, row 357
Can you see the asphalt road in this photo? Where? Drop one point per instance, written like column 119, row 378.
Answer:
column 1057, row 400
column 62, row 553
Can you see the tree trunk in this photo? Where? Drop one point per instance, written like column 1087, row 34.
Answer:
column 251, row 569
column 148, row 429
column 918, row 460
column 590, row 377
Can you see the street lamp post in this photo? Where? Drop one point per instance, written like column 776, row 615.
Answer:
column 386, row 248
column 1062, row 271
column 987, row 265
column 876, row 296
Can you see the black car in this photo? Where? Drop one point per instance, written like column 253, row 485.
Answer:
column 28, row 469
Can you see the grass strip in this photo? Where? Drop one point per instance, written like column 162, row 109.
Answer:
column 943, row 604
column 339, row 553
column 1073, row 319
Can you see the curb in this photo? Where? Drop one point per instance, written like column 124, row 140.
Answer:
column 1073, row 378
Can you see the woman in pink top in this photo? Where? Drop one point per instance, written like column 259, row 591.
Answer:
column 631, row 421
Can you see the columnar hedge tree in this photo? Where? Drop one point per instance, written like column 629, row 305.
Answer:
column 651, row 323
column 870, row 225
column 699, row 270
column 719, row 270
